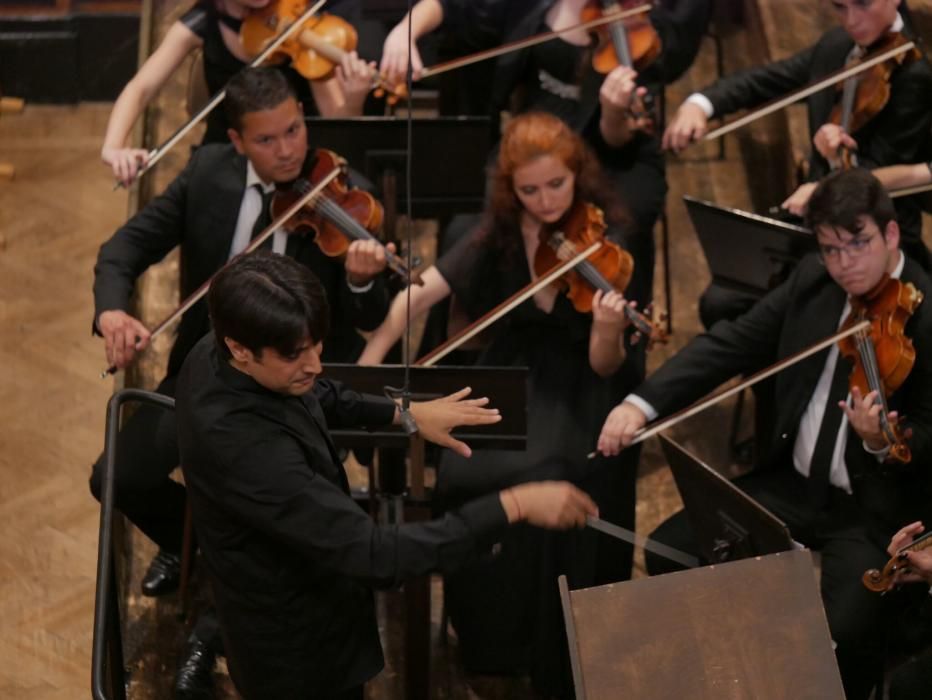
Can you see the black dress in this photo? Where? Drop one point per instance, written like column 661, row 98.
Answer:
column 557, row 77
column 506, row 611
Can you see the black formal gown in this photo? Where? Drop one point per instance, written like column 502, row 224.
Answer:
column 506, row 611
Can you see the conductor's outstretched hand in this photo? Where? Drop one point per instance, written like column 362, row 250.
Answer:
column 435, row 419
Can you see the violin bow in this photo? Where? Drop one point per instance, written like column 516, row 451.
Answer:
column 199, row 293
column 906, row 191
column 701, row 405
column 831, row 79
column 530, row 41
column 156, row 154
column 504, row 308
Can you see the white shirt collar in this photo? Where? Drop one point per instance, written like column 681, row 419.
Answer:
column 252, row 178
column 898, row 23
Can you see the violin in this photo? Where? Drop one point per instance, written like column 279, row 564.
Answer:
column 338, row 216
column 883, row 355
column 872, row 93
column 315, row 50
column 609, row 269
column 631, row 42
column 879, row 581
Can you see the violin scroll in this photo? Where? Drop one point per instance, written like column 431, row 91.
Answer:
column 880, row 581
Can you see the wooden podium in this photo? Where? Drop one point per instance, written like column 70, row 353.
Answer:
column 751, row 629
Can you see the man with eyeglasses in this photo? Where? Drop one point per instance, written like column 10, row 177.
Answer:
column 823, row 468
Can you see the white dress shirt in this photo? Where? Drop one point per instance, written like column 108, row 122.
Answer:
column 249, row 210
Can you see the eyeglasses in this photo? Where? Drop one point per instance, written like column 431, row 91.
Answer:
column 855, row 248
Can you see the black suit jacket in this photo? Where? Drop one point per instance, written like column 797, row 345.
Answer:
column 900, row 133
column 290, row 555
column 801, row 311
column 198, row 211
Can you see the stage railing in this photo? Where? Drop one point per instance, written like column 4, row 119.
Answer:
column 107, row 672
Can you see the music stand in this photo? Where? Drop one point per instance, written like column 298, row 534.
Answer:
column 747, row 252
column 727, row 523
column 506, row 388
column 448, row 160
column 753, row 629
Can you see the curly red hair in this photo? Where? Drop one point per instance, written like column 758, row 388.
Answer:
column 527, row 137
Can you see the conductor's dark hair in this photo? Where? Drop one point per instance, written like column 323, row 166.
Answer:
column 254, row 90
column 264, row 300
column 842, row 199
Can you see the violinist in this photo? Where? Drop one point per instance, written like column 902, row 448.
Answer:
column 900, row 132
column 507, row 612
column 912, row 679
column 211, row 210
column 824, row 468
column 558, row 76
column 214, row 27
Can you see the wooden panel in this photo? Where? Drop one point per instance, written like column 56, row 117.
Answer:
column 748, row 629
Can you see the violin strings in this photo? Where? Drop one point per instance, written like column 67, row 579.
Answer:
column 597, row 280
column 872, row 372
column 333, row 212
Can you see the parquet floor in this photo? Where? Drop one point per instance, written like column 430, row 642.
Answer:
column 53, row 216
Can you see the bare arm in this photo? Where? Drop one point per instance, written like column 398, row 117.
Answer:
column 434, row 289
column 606, row 339
column 895, row 177
column 424, row 18
column 177, row 44
column 618, row 95
column 345, row 94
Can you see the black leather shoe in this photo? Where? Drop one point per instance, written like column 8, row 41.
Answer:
column 194, row 679
column 163, row 574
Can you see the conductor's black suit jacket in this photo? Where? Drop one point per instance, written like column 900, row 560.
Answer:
column 805, row 309
column 291, row 557
column 198, row 211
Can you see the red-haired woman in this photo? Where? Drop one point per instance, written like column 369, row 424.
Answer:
column 507, row 612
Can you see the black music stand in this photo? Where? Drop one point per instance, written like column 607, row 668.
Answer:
column 507, row 389
column 727, row 523
column 747, row 252
column 448, row 160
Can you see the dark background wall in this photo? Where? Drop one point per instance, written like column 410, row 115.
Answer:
column 62, row 58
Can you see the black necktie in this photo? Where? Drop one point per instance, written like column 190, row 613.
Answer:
column 265, row 215
column 821, row 464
